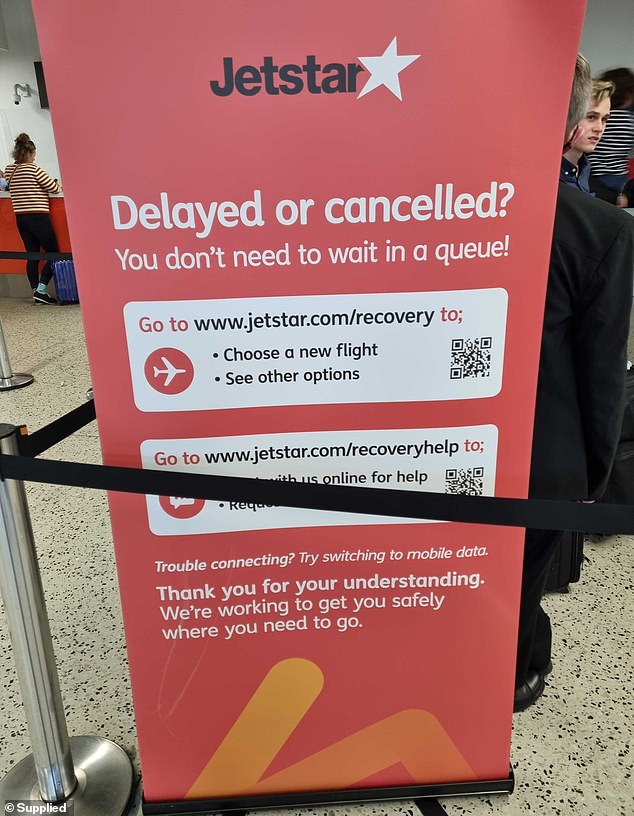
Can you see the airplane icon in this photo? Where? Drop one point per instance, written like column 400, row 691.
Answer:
column 170, row 371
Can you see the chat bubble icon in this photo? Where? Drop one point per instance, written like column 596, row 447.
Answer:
column 178, row 501
column 181, row 508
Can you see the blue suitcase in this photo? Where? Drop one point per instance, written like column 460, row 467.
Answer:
column 65, row 283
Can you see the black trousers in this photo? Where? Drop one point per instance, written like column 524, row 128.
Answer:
column 36, row 231
column 535, row 637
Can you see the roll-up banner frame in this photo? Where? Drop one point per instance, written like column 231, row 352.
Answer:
column 316, row 236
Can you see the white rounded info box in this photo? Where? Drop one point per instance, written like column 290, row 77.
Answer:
column 318, row 349
column 441, row 460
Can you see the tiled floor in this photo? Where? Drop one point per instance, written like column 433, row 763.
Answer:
column 571, row 751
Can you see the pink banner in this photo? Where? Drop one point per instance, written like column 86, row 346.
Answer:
column 312, row 244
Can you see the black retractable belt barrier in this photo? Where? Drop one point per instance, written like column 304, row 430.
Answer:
column 5, row 255
column 536, row 513
column 430, row 807
column 36, row 443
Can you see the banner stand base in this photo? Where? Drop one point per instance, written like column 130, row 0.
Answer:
column 104, row 779
column 237, row 806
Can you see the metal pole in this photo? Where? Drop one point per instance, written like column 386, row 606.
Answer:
column 8, row 380
column 21, row 588
column 91, row 772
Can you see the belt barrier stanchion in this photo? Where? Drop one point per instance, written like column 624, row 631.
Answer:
column 92, row 773
column 9, row 380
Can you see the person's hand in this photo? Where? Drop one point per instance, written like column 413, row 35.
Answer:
column 574, row 137
column 621, row 200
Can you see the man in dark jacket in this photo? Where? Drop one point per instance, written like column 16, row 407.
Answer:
column 581, row 383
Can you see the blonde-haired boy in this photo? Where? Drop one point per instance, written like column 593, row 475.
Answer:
column 575, row 167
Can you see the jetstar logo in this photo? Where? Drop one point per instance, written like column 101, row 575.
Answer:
column 291, row 79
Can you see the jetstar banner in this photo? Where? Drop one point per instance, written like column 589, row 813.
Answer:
column 312, row 245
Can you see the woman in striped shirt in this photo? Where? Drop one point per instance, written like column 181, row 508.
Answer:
column 30, row 188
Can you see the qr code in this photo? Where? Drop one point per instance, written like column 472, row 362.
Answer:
column 467, row 481
column 470, row 357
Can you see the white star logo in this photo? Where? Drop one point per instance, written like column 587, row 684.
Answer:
column 384, row 70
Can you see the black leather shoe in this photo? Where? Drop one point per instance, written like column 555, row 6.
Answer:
column 529, row 692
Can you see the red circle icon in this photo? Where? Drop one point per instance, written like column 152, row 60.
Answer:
column 169, row 371
column 181, row 508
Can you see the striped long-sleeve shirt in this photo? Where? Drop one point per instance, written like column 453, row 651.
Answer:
column 611, row 154
column 30, row 188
